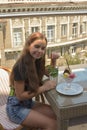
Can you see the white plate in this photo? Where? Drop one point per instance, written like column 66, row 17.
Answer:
column 75, row 89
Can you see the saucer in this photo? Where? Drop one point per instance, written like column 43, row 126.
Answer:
column 74, row 89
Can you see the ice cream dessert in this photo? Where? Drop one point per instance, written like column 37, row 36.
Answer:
column 67, row 74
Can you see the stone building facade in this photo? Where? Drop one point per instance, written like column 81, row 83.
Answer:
column 64, row 24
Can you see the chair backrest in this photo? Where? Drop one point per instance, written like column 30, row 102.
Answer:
column 4, row 86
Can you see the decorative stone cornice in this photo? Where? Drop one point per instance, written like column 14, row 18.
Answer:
column 12, row 10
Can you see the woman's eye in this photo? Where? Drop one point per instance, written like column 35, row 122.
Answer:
column 43, row 48
column 37, row 46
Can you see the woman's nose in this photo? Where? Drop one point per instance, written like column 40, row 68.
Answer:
column 40, row 50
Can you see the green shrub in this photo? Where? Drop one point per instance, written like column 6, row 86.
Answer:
column 72, row 60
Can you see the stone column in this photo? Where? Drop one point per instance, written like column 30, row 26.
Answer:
column 3, row 34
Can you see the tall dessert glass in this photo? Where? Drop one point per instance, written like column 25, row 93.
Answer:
column 68, row 79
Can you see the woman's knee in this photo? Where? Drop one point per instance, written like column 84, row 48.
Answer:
column 54, row 125
column 39, row 120
column 51, row 124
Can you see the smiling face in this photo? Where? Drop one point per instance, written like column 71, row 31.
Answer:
column 38, row 48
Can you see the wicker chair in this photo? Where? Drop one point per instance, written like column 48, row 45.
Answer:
column 4, row 91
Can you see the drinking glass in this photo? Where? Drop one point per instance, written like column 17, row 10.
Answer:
column 54, row 74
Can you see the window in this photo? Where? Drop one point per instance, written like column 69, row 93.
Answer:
column 84, row 27
column 34, row 29
column 17, row 37
column 74, row 29
column 63, row 30
column 73, row 49
column 50, row 33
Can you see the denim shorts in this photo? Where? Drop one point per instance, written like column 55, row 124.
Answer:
column 17, row 110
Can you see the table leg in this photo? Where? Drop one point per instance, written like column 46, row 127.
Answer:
column 63, row 124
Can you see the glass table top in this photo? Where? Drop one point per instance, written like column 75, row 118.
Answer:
column 81, row 79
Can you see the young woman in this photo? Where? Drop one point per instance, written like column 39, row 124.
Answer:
column 26, row 83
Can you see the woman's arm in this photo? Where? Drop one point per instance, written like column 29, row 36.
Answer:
column 47, row 85
column 21, row 94
column 24, row 95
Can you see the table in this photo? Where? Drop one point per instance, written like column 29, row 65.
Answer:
column 70, row 109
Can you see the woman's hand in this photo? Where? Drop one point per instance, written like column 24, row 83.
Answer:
column 54, row 57
column 48, row 85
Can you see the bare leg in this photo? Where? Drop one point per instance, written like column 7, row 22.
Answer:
column 44, row 109
column 40, row 117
